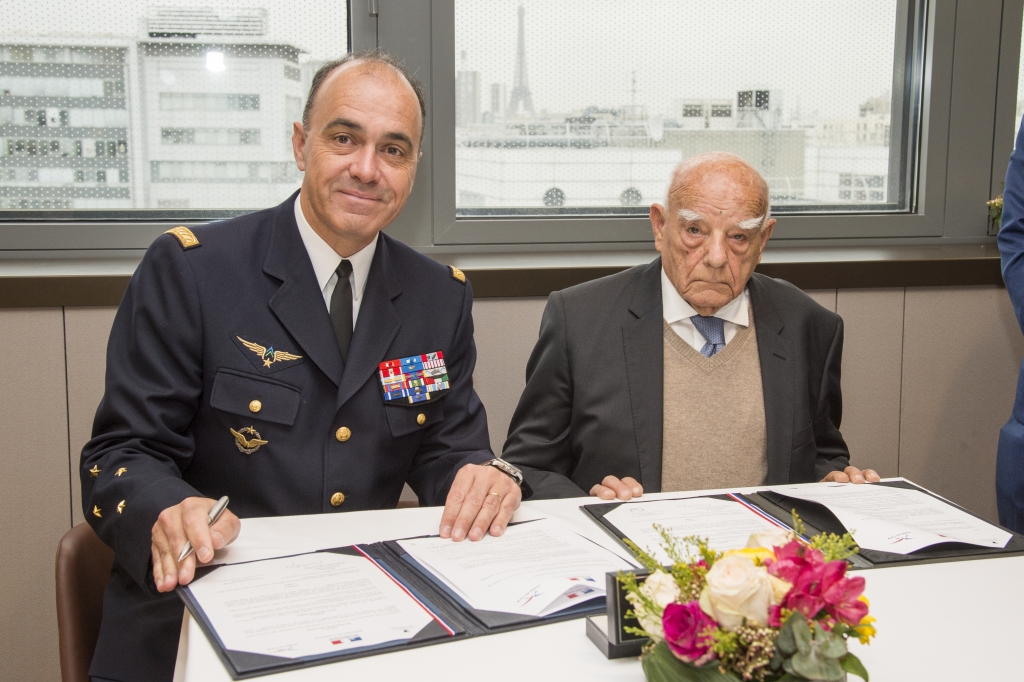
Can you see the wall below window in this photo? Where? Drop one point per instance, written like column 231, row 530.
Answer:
column 928, row 380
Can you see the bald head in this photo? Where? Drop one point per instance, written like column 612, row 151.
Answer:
column 725, row 176
column 713, row 230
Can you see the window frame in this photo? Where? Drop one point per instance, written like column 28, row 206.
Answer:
column 968, row 76
column 967, row 71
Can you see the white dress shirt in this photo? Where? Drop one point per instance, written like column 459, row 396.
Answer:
column 326, row 261
column 677, row 313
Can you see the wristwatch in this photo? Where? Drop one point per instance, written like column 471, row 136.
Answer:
column 513, row 472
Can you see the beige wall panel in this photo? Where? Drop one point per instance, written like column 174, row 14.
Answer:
column 961, row 351
column 506, row 331
column 35, row 507
column 86, row 331
column 872, row 357
column 826, row 298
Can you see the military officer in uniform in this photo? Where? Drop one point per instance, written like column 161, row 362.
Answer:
column 247, row 357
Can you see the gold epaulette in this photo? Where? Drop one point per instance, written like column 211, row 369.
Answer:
column 458, row 274
column 185, row 236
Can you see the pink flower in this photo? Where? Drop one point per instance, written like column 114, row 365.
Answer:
column 841, row 599
column 792, row 558
column 818, row 586
column 687, row 630
column 775, row 616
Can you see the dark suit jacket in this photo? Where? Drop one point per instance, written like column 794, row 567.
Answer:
column 178, row 379
column 593, row 403
column 1010, row 457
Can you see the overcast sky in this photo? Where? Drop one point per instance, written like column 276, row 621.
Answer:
column 315, row 26
column 822, row 55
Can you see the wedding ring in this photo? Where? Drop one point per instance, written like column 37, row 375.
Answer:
column 498, row 495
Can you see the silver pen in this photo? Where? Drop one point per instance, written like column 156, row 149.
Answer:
column 215, row 513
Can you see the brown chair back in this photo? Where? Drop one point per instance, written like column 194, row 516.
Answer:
column 83, row 570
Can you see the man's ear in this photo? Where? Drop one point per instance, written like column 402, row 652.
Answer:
column 299, row 145
column 658, row 219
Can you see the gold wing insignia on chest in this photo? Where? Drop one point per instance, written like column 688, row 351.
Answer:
column 269, row 355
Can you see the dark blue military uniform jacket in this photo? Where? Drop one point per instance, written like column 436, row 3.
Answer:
column 182, row 372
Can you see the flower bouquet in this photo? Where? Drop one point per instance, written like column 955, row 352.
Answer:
column 779, row 610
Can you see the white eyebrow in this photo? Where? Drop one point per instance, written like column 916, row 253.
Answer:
column 751, row 223
column 690, row 216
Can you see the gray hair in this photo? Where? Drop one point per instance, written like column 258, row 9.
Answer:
column 714, row 159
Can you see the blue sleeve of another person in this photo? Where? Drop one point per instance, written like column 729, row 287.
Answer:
column 1010, row 459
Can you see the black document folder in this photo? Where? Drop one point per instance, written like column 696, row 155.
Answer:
column 453, row 618
column 819, row 519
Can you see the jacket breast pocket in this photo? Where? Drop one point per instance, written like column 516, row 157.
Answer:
column 409, row 419
column 258, row 397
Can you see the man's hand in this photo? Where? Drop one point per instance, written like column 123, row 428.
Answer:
column 611, row 487
column 187, row 522
column 481, row 497
column 852, row 475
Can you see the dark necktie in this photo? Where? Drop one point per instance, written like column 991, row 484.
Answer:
column 341, row 308
column 713, row 331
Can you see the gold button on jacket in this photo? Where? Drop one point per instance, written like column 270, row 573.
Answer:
column 343, row 434
column 337, row 499
column 255, row 406
column 421, row 418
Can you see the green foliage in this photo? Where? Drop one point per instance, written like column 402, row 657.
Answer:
column 810, row 654
column 995, row 210
column 645, row 559
column 834, row 547
column 852, row 665
column 724, row 643
column 661, row 666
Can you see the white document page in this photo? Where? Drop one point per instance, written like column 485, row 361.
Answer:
column 726, row 525
column 307, row 605
column 897, row 520
column 533, row 569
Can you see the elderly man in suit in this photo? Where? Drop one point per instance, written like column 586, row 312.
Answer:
column 266, row 358
column 691, row 372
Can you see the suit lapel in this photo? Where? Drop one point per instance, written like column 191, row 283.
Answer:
column 377, row 325
column 643, row 343
column 777, row 381
column 298, row 303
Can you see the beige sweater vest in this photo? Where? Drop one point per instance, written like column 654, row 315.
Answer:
column 714, row 429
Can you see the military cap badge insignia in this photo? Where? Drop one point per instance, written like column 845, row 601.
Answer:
column 247, row 445
column 415, row 379
column 268, row 354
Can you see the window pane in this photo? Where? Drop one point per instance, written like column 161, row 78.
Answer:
column 570, row 107
column 128, row 105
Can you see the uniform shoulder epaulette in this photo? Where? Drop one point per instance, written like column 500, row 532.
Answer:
column 185, row 236
column 458, row 274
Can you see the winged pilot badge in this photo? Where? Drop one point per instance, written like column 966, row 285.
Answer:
column 268, row 355
column 246, row 445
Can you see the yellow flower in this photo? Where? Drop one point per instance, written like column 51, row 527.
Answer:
column 865, row 631
column 756, row 554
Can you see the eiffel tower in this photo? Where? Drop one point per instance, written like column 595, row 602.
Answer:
column 520, row 90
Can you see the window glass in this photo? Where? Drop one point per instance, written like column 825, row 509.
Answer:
column 112, row 106
column 576, row 107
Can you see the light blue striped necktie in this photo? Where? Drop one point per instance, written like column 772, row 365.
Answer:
column 713, row 331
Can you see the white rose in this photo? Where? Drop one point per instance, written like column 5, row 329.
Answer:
column 736, row 589
column 769, row 539
column 660, row 588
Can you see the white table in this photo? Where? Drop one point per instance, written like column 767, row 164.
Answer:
column 949, row 621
